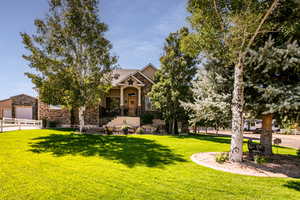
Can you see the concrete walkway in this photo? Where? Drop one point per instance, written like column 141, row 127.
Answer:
column 292, row 141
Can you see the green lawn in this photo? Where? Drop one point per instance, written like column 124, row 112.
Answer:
column 51, row 164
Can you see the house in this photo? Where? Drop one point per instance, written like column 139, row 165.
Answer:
column 128, row 97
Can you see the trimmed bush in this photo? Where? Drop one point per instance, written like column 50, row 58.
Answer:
column 222, row 157
column 52, row 124
column 140, row 131
column 260, row 159
column 147, row 118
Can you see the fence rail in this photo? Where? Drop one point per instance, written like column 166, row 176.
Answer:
column 8, row 124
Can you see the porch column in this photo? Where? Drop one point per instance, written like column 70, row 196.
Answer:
column 122, row 100
column 139, row 111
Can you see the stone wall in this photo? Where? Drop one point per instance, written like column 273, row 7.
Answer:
column 63, row 116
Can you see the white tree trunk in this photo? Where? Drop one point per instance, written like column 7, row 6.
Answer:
column 236, row 151
column 81, row 118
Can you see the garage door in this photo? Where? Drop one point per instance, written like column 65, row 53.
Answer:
column 24, row 112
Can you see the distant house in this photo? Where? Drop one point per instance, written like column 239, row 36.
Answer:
column 128, row 97
column 21, row 106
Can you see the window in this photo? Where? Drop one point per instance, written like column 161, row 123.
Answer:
column 148, row 105
column 55, row 107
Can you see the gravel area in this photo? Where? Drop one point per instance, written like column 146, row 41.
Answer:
column 280, row 166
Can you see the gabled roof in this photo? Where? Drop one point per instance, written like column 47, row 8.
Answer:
column 119, row 75
column 18, row 96
column 23, row 95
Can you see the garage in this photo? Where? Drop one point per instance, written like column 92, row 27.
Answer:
column 23, row 112
column 7, row 113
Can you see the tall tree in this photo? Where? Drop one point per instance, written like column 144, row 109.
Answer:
column 273, row 85
column 226, row 30
column 211, row 96
column 71, row 55
column 173, row 81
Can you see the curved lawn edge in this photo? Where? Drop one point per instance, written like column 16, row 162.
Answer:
column 207, row 159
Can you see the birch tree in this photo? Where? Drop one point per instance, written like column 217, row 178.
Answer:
column 70, row 55
column 226, row 30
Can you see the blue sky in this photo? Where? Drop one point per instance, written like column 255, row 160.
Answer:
column 137, row 29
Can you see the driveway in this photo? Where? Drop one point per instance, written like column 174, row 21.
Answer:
column 292, row 141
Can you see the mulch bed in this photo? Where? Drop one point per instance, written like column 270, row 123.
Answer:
column 277, row 166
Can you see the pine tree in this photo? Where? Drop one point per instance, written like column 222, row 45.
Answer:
column 273, row 85
column 71, row 55
column 173, row 81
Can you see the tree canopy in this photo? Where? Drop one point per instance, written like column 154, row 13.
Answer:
column 173, row 81
column 70, row 55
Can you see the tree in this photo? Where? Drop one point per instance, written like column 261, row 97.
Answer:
column 226, row 30
column 273, row 85
column 71, row 55
column 173, row 81
column 211, row 96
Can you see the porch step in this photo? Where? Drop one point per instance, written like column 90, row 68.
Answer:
column 122, row 120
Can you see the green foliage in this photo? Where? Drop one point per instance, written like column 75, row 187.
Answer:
column 52, row 124
column 258, row 159
column 222, row 157
column 70, row 54
column 272, row 80
column 173, row 80
column 140, row 130
column 298, row 153
column 147, row 118
column 212, row 97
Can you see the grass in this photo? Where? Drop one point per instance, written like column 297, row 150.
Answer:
column 52, row 164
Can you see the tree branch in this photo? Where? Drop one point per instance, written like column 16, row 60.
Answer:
column 268, row 13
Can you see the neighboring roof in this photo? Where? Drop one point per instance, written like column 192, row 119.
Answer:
column 17, row 96
column 4, row 100
column 23, row 95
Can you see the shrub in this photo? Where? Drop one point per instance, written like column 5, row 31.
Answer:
column 52, row 124
column 125, row 129
column 260, row 159
column 140, row 131
column 147, row 118
column 222, row 157
column 298, row 153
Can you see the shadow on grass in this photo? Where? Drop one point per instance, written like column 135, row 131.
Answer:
column 130, row 151
column 217, row 139
column 293, row 185
column 225, row 139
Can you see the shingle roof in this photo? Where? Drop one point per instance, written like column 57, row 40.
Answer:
column 121, row 74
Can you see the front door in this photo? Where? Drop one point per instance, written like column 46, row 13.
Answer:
column 132, row 105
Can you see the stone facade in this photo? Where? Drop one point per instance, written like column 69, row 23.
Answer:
column 61, row 116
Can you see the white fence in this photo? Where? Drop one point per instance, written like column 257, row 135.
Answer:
column 12, row 124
